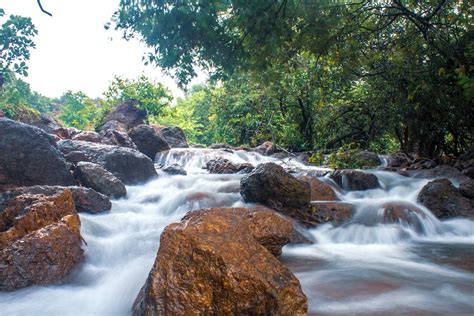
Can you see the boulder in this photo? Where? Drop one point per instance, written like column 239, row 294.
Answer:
column 442, row 171
column 405, row 213
column 2, row 114
column 320, row 191
column 466, row 160
column 29, row 156
column 126, row 113
column 219, row 146
column 117, row 138
column 94, row 176
column 62, row 133
column 148, row 141
column 114, row 125
column 129, row 165
column 469, row 172
column 337, row 212
column 368, row 158
column 40, row 240
column 267, row 148
column 173, row 136
column 466, row 187
column 74, row 157
column 224, row 166
column 44, row 122
column 270, row 185
column 445, row 200
column 221, row 262
column 399, row 160
column 85, row 199
column 349, row 179
column 174, row 169
column 88, row 136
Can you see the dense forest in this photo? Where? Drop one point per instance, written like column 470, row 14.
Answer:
column 308, row 75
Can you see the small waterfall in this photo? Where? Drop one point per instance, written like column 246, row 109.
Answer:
column 393, row 257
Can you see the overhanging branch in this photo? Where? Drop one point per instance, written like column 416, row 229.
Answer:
column 43, row 10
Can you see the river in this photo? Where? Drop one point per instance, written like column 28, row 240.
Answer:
column 365, row 267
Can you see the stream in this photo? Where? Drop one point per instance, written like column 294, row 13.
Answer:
column 364, row 267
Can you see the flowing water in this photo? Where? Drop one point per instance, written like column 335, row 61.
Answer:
column 421, row 266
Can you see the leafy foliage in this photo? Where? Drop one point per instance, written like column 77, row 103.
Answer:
column 77, row 110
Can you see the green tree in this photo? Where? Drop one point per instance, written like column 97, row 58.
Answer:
column 16, row 41
column 77, row 110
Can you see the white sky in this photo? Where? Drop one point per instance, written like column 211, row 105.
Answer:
column 75, row 52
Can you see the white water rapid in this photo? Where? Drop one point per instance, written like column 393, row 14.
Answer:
column 366, row 267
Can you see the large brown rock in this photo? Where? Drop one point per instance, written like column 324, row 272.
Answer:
column 267, row 148
column 127, row 164
column 117, row 138
column 148, row 140
column 88, row 136
column 94, row 176
column 404, row 213
column 40, row 240
column 126, row 113
column 29, row 156
column 349, row 179
column 220, row 262
column 173, row 136
column 445, row 200
column 320, row 191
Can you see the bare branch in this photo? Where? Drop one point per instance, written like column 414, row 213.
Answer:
column 43, row 10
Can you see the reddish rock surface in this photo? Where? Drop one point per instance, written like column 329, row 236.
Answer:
column 220, row 262
column 126, row 114
column 320, row 191
column 337, row 212
column 148, row 140
column 40, row 240
column 349, row 179
column 88, row 136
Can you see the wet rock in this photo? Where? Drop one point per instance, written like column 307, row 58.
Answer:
column 349, row 179
column 85, row 199
column 400, row 212
column 320, row 191
column 117, row 138
column 466, row 160
column 368, row 158
column 88, row 136
column 337, row 212
column 219, row 261
column 267, row 148
column 422, row 163
column 466, row 187
column 40, row 240
column 94, row 176
column 398, row 160
column 148, row 141
column 44, row 122
column 114, row 125
column 445, row 200
column 29, row 156
column 129, row 165
column 442, row 171
column 175, row 169
column 270, row 185
column 225, row 166
column 126, row 113
column 173, row 136
column 469, row 172
column 219, row 146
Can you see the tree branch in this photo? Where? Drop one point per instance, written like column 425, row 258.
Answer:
column 43, row 10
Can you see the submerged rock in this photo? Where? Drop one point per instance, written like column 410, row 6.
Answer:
column 40, row 240
column 94, row 176
column 349, row 179
column 225, row 166
column 336, row 212
column 128, row 165
column 221, row 262
column 29, row 156
column 148, row 140
column 174, row 169
column 445, row 200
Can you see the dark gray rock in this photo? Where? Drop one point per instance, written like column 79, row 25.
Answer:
column 175, row 169
column 94, row 176
column 129, row 165
column 173, row 136
column 349, row 179
column 445, row 200
column 224, row 166
column 148, row 140
column 117, row 138
column 29, row 156
column 126, row 113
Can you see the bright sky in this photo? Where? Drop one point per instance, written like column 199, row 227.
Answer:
column 75, row 52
